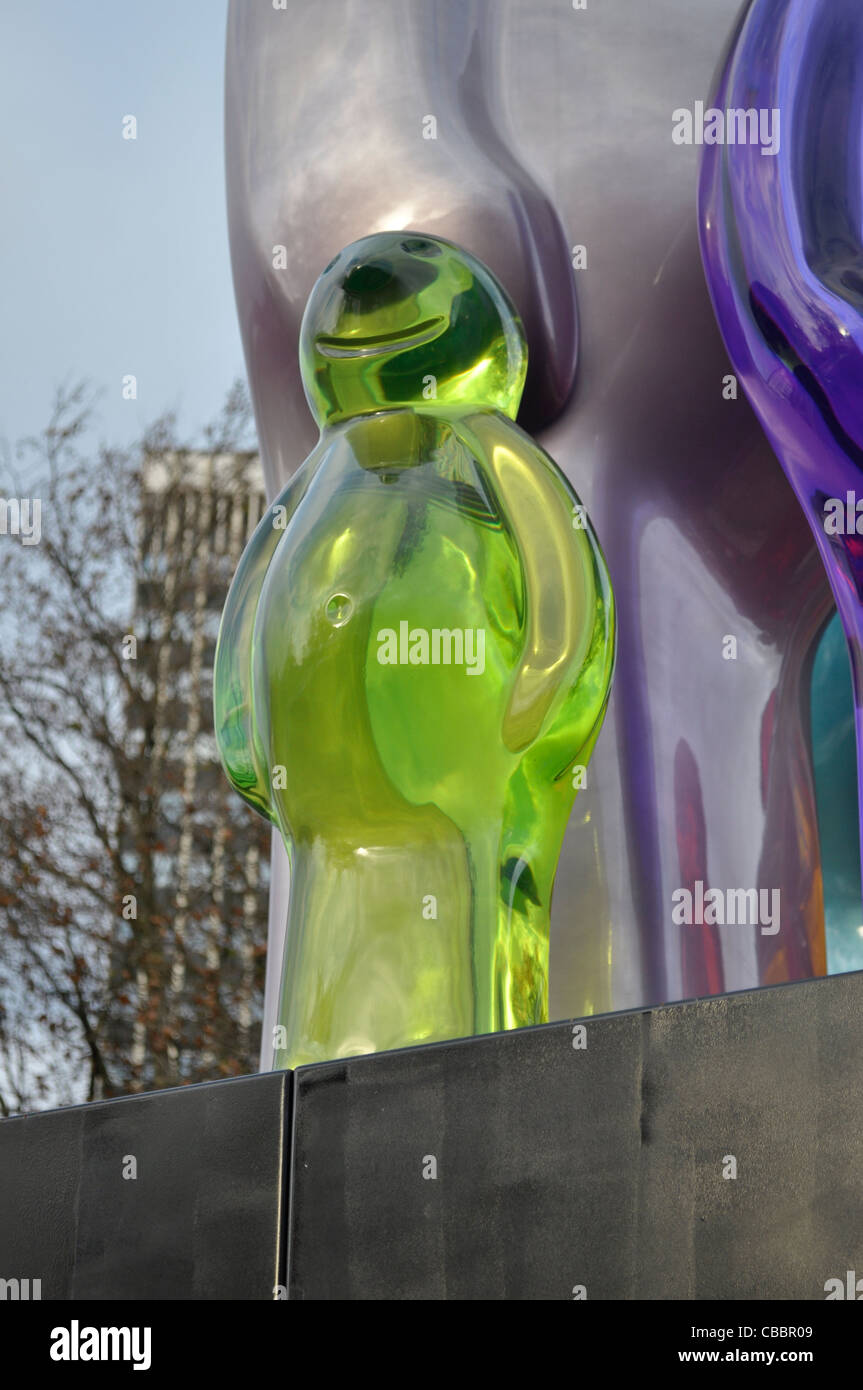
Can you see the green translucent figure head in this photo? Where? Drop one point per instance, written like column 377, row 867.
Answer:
column 400, row 319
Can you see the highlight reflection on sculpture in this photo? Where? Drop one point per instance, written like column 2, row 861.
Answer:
column 414, row 662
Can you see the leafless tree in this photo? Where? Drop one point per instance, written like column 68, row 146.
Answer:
column 132, row 880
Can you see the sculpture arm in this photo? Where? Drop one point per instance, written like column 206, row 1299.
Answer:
column 564, row 574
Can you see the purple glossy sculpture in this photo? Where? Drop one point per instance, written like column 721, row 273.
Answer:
column 782, row 244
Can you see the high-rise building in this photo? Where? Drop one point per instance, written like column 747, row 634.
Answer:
column 198, row 958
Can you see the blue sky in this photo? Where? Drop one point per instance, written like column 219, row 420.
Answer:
column 114, row 252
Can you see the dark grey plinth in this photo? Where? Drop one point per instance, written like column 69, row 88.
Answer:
column 556, row 1167
column 203, row 1219
column 600, row 1167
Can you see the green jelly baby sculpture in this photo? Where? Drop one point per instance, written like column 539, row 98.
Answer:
column 414, row 660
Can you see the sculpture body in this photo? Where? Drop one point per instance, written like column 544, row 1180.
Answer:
column 414, row 663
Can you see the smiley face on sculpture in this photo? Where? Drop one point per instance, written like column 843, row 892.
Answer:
column 400, row 320
column 416, row 650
